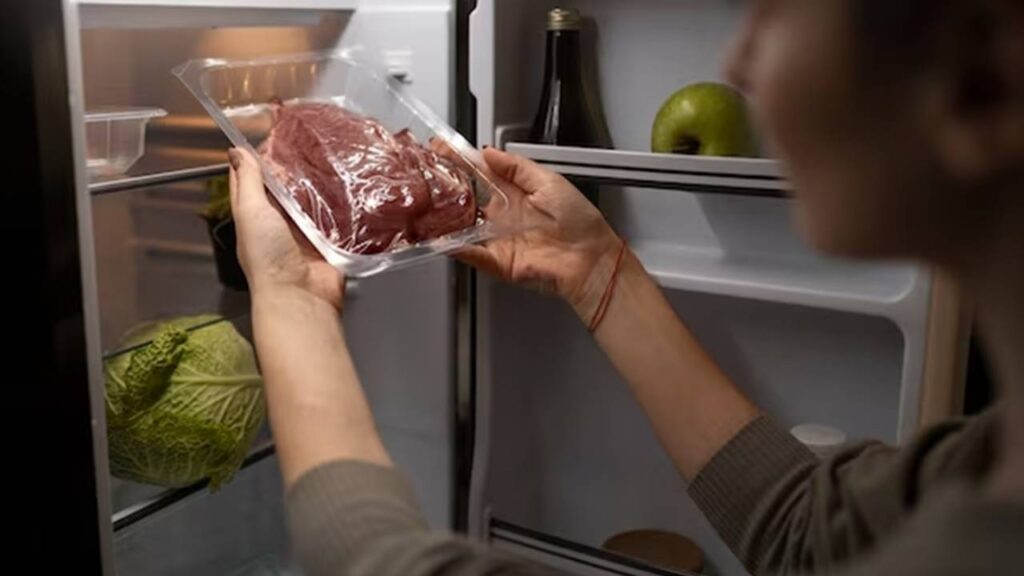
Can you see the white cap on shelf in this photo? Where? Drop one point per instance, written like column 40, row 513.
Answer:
column 824, row 441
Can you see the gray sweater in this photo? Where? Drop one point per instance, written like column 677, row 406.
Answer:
column 871, row 510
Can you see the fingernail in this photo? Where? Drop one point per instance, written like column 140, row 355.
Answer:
column 235, row 158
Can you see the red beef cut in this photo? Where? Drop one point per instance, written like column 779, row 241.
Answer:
column 367, row 190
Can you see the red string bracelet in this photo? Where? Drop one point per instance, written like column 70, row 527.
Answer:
column 606, row 299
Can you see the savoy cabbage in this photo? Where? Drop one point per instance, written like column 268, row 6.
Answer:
column 183, row 403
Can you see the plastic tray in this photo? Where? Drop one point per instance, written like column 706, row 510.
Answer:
column 115, row 139
column 237, row 94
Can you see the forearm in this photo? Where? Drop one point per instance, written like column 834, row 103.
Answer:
column 694, row 407
column 317, row 407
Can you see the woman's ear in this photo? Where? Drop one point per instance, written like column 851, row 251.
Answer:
column 975, row 101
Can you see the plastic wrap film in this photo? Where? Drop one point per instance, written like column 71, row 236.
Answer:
column 365, row 189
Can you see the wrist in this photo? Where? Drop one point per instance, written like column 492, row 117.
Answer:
column 274, row 295
column 600, row 271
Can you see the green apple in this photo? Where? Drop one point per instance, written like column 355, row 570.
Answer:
column 706, row 119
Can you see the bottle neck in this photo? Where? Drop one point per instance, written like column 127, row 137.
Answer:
column 563, row 55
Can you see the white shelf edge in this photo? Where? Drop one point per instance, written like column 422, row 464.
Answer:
column 244, row 4
column 750, row 176
column 567, row 556
column 886, row 305
column 137, row 14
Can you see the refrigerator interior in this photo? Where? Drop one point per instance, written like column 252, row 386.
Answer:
column 154, row 260
column 562, row 450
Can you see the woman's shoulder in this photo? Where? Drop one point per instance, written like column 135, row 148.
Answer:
column 962, row 531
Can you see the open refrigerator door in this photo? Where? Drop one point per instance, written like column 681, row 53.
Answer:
column 565, row 459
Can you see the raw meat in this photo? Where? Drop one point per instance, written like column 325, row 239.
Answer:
column 367, row 190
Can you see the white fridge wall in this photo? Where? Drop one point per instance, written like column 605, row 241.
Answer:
column 571, row 454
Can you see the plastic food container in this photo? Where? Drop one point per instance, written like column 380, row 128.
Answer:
column 115, row 139
column 239, row 96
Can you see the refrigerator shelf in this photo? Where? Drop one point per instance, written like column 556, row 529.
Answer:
column 157, row 179
column 873, row 290
column 570, row 557
column 166, row 498
column 728, row 176
column 259, row 4
column 115, row 14
column 242, row 324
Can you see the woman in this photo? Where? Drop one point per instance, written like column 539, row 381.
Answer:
column 902, row 128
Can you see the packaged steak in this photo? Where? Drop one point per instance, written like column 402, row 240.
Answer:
column 367, row 190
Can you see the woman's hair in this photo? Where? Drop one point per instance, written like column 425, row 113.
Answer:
column 902, row 39
column 900, row 33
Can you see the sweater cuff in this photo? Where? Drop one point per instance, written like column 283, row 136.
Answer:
column 342, row 508
column 732, row 485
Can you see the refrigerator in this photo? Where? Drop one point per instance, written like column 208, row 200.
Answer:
column 508, row 420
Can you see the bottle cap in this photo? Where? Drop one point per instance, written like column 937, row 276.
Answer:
column 564, row 19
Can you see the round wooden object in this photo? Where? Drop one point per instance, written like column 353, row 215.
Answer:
column 658, row 548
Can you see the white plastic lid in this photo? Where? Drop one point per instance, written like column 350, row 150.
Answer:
column 823, row 440
column 109, row 114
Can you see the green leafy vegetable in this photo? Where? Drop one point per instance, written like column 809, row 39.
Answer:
column 184, row 405
column 218, row 207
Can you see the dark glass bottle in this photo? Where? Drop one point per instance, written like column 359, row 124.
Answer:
column 565, row 117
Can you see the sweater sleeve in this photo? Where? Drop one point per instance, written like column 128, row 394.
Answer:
column 782, row 511
column 358, row 519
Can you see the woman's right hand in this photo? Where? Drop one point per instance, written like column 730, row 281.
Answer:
column 563, row 245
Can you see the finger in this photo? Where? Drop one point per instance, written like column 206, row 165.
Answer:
column 232, row 185
column 520, row 171
column 247, row 184
column 442, row 148
column 466, row 162
column 480, row 258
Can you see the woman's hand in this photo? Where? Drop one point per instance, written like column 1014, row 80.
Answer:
column 563, row 244
column 274, row 255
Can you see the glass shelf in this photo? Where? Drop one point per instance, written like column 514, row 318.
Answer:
column 241, row 323
column 155, row 260
column 134, row 502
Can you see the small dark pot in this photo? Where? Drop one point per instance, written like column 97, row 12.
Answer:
column 229, row 271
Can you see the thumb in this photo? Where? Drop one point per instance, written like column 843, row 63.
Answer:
column 246, row 180
column 524, row 173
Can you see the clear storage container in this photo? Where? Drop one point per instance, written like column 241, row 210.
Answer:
column 115, row 139
column 241, row 97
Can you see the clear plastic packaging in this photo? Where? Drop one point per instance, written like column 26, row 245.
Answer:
column 115, row 139
column 368, row 173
